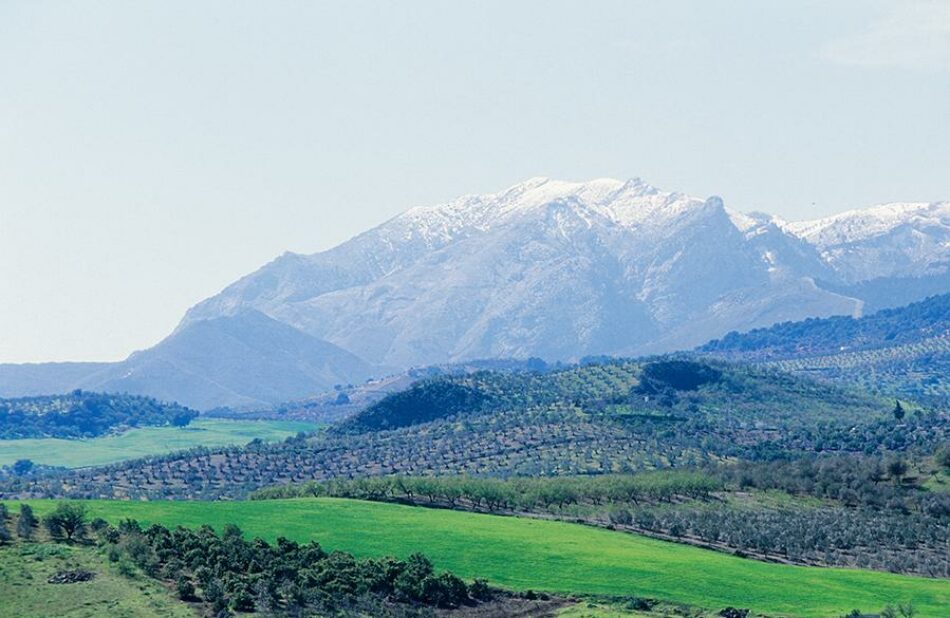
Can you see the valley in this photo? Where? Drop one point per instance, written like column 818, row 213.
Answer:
column 638, row 487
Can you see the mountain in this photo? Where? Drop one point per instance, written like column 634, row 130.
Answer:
column 888, row 255
column 242, row 359
column 892, row 240
column 903, row 351
column 546, row 268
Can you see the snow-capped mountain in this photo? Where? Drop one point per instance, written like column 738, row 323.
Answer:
column 891, row 240
column 546, row 268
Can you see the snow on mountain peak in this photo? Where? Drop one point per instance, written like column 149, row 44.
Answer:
column 563, row 269
column 856, row 225
column 629, row 203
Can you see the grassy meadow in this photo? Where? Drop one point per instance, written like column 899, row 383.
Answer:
column 145, row 441
column 24, row 591
column 551, row 556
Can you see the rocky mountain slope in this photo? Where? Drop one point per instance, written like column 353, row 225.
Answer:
column 551, row 269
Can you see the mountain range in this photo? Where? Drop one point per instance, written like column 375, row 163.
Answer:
column 546, row 268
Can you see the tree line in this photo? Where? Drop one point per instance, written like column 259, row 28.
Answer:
column 518, row 493
column 83, row 414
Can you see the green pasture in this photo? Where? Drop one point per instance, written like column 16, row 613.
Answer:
column 521, row 553
column 145, row 441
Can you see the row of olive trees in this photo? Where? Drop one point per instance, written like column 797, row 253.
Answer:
column 520, row 493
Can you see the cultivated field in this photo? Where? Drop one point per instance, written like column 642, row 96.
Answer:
column 145, row 441
column 551, row 556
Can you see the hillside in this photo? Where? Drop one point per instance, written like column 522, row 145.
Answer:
column 669, row 389
column 595, row 419
column 529, row 554
column 903, row 351
column 345, row 400
column 909, row 324
column 82, row 414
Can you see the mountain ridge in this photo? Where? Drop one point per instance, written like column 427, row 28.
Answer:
column 562, row 270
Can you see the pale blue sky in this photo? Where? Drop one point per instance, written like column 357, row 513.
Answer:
column 151, row 153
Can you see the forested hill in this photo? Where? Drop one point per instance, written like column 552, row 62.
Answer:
column 910, row 324
column 82, row 414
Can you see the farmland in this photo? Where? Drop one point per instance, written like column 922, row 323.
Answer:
column 145, row 441
column 545, row 555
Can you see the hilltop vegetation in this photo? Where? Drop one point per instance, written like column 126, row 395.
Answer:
column 81, row 414
column 822, row 336
column 667, row 392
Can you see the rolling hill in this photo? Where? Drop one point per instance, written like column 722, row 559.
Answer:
column 594, row 419
column 549, row 556
column 244, row 359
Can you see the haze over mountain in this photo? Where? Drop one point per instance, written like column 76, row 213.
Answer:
column 546, row 268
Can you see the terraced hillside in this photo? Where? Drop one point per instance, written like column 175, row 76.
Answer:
column 917, row 371
column 902, row 352
column 613, row 417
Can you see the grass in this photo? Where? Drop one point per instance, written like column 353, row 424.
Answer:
column 551, row 556
column 145, row 441
column 25, row 593
column 586, row 609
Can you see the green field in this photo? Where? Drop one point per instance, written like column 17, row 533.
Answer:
column 552, row 556
column 24, row 591
column 145, row 441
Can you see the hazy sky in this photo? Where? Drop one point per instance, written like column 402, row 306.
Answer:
column 151, row 153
